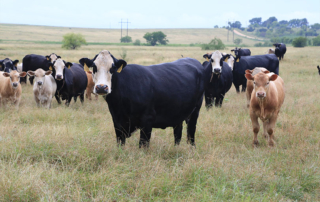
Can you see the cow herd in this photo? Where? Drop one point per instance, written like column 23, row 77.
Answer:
column 155, row 96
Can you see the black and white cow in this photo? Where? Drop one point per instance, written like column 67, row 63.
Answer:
column 71, row 80
column 33, row 62
column 280, row 50
column 268, row 61
column 220, row 81
column 239, row 52
column 7, row 65
column 146, row 97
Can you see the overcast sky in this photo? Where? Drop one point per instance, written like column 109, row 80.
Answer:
column 153, row 14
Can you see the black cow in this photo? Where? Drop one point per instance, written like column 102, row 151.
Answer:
column 220, row 81
column 8, row 65
column 71, row 80
column 241, row 52
column 268, row 61
column 318, row 69
column 33, row 62
column 146, row 97
column 280, row 50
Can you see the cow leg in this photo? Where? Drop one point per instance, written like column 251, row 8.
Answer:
column 31, row 78
column 82, row 98
column 68, row 101
column 57, row 98
column 270, row 130
column 146, row 129
column 96, row 97
column 265, row 127
column 237, row 88
column 177, row 131
column 208, row 100
column 75, row 98
column 121, row 137
column 192, row 124
column 244, row 87
column 256, row 128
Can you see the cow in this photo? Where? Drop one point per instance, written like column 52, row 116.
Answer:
column 220, row 81
column 33, row 62
column 7, row 65
column 318, row 69
column 146, row 97
column 270, row 51
column 266, row 100
column 239, row 52
column 229, row 59
column 44, row 87
column 280, row 50
column 71, row 80
column 10, row 88
column 90, row 86
column 268, row 61
column 249, row 88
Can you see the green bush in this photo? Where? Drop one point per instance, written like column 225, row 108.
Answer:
column 237, row 41
column 137, row 42
column 316, row 41
column 265, row 44
column 299, row 42
column 126, row 39
column 73, row 41
column 156, row 37
column 215, row 44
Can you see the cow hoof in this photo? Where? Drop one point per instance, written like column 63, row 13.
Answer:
column 271, row 143
column 255, row 143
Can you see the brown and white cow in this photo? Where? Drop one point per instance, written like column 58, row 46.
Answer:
column 10, row 88
column 44, row 87
column 249, row 88
column 266, row 100
column 90, row 86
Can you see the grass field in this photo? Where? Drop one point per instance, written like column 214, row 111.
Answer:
column 70, row 153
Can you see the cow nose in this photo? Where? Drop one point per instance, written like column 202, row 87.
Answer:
column 260, row 94
column 14, row 84
column 39, row 83
column 59, row 76
column 216, row 70
column 102, row 89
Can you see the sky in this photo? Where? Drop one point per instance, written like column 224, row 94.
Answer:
column 144, row 14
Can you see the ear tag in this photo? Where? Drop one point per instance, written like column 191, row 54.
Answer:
column 50, row 68
column 69, row 66
column 226, row 60
column 120, row 69
column 238, row 60
column 47, row 58
column 86, row 68
column 208, row 59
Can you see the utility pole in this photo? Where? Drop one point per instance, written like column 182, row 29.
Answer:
column 121, row 26
column 228, row 30
column 233, row 31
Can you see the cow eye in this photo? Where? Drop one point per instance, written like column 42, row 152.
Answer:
column 268, row 83
column 254, row 83
column 43, row 75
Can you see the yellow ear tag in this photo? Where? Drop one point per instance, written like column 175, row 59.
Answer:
column 226, row 60
column 207, row 59
column 120, row 69
column 48, row 59
column 238, row 60
column 69, row 66
column 86, row 68
column 50, row 68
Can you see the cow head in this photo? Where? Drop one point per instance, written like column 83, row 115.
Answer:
column 236, row 51
column 228, row 58
column 318, row 69
column 58, row 67
column 14, row 77
column 8, row 65
column 261, row 83
column 52, row 57
column 104, row 66
column 256, row 71
column 39, row 75
column 216, row 62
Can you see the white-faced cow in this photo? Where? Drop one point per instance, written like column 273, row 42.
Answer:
column 10, row 88
column 71, row 80
column 220, row 81
column 33, row 62
column 146, row 97
column 266, row 100
column 44, row 87
column 7, row 65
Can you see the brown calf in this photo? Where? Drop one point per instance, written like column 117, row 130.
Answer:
column 90, row 86
column 250, row 83
column 10, row 88
column 266, row 100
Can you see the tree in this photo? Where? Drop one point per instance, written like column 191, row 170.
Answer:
column 137, row 42
column 126, row 39
column 236, row 24
column 155, row 37
column 73, row 41
column 215, row 44
column 299, row 42
column 254, row 21
column 268, row 22
column 315, row 26
column 216, row 26
column 316, row 41
column 237, row 41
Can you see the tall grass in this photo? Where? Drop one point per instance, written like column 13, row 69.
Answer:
column 70, row 153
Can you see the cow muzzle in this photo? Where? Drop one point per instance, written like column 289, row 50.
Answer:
column 58, row 76
column 40, row 83
column 217, row 70
column 14, row 85
column 261, row 94
column 102, row 89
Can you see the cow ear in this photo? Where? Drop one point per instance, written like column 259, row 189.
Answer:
column 249, row 77
column 48, row 57
column 49, row 72
column 266, row 72
column 205, row 56
column 30, row 73
column 232, row 50
column 15, row 63
column 248, row 71
column 23, row 74
column 58, row 56
column 50, row 66
column 221, row 62
column 86, row 63
column 239, row 49
column 273, row 77
column 318, row 67
column 120, row 65
column 6, row 74
column 69, row 64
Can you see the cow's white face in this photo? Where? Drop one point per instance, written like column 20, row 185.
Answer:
column 53, row 57
column 59, row 66
column 101, row 73
column 14, row 77
column 230, row 62
column 39, row 76
column 215, row 61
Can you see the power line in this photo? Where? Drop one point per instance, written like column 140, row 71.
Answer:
column 121, row 26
